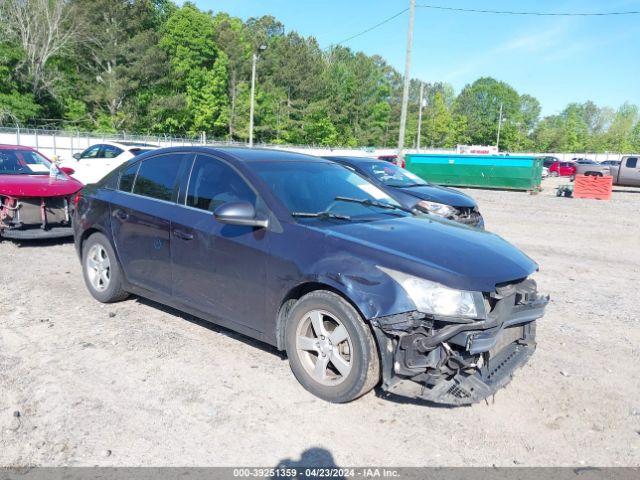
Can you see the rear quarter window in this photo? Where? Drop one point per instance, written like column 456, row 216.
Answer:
column 127, row 177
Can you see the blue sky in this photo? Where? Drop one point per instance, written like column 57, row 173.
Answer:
column 556, row 59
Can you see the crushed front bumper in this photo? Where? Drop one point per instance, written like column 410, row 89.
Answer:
column 457, row 361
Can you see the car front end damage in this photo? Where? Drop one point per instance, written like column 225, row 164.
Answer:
column 460, row 361
column 26, row 218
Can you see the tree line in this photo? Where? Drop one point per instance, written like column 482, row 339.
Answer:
column 150, row 66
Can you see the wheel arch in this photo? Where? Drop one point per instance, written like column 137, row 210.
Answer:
column 87, row 233
column 297, row 292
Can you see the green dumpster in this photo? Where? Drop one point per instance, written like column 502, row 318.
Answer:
column 514, row 172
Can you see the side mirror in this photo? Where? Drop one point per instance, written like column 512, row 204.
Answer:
column 76, row 156
column 239, row 213
column 67, row 170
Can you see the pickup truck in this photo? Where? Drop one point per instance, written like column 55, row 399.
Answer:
column 627, row 173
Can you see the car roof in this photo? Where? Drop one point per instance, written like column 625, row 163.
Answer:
column 127, row 145
column 247, row 155
column 15, row 147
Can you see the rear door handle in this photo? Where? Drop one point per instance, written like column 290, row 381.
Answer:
column 122, row 215
column 182, row 234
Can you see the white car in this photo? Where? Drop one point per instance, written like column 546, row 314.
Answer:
column 545, row 172
column 99, row 159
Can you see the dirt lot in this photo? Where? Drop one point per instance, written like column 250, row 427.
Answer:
column 138, row 384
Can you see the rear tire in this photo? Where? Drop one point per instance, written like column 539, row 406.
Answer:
column 331, row 351
column 101, row 271
column 554, row 174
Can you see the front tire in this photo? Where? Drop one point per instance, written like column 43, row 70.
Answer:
column 331, row 351
column 101, row 271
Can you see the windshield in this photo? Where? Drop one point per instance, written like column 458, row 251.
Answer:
column 23, row 162
column 325, row 188
column 392, row 175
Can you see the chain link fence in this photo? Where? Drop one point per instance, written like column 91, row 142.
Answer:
column 64, row 144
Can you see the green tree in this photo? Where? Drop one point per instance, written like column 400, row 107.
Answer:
column 199, row 71
column 16, row 104
column 480, row 103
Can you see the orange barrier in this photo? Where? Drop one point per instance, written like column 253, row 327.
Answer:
column 591, row 186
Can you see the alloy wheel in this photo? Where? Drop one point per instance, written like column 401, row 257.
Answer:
column 324, row 347
column 98, row 268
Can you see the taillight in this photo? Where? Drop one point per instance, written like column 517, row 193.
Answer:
column 76, row 198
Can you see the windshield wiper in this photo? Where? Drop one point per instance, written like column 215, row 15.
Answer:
column 321, row 215
column 410, row 185
column 372, row 203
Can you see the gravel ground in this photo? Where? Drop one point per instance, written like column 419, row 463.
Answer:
column 136, row 383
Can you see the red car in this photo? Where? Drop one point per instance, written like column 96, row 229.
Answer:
column 562, row 169
column 35, row 195
column 392, row 159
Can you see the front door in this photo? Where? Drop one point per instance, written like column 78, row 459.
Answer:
column 219, row 269
column 140, row 219
column 629, row 172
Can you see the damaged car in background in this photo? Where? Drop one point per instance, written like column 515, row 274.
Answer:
column 309, row 256
column 35, row 195
column 415, row 193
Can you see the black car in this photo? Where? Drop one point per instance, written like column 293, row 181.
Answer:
column 415, row 193
column 548, row 161
column 307, row 255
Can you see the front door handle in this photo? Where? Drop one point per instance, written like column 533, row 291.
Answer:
column 122, row 215
column 182, row 234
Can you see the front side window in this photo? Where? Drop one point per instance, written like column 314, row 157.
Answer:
column 91, row 152
column 214, row 183
column 632, row 162
column 109, row 151
column 158, row 176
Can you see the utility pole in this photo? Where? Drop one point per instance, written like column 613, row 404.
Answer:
column 407, row 80
column 253, row 96
column 499, row 125
column 253, row 93
column 420, row 115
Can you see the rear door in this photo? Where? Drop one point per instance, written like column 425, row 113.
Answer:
column 217, row 268
column 140, row 219
column 629, row 172
column 110, row 158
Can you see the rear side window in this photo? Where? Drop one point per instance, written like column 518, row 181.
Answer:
column 109, row 151
column 127, row 177
column 632, row 162
column 158, row 177
column 214, row 183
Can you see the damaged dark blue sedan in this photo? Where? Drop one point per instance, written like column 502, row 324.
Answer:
column 307, row 255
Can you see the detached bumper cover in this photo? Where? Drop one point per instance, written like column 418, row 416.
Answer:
column 458, row 361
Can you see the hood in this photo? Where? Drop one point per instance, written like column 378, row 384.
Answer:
column 435, row 193
column 440, row 251
column 38, row 186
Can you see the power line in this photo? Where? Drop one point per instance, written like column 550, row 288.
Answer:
column 491, row 12
column 369, row 29
column 538, row 14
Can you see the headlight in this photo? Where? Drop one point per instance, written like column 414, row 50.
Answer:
column 434, row 298
column 435, row 208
